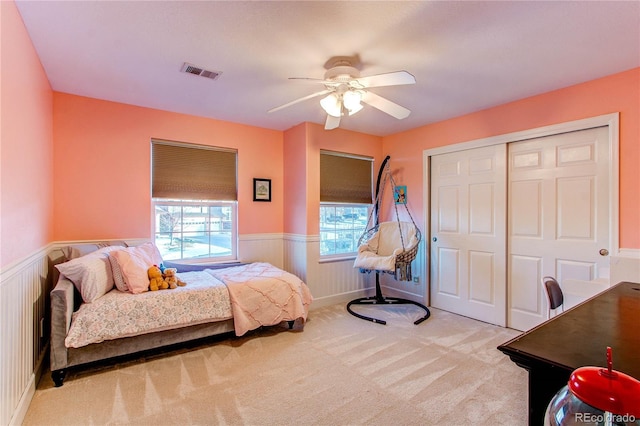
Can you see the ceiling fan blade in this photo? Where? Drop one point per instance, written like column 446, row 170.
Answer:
column 308, row 79
column 327, row 83
column 388, row 79
column 332, row 122
column 385, row 105
column 313, row 95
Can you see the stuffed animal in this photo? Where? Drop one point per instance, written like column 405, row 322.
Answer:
column 171, row 279
column 155, row 279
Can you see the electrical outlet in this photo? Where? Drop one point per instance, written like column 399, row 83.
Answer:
column 416, row 280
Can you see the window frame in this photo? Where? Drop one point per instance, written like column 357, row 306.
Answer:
column 200, row 203
column 344, row 186
column 342, row 255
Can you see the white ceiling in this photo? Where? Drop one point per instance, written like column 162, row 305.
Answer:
column 466, row 56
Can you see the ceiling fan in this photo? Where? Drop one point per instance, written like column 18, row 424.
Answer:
column 345, row 90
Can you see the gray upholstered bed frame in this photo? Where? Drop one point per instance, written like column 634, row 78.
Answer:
column 62, row 304
column 65, row 299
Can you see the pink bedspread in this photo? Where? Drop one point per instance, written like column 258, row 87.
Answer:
column 262, row 294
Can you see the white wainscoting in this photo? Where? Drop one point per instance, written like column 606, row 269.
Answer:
column 295, row 254
column 331, row 282
column 412, row 290
column 261, row 248
column 24, row 290
column 625, row 266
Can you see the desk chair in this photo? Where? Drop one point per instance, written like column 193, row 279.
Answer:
column 554, row 294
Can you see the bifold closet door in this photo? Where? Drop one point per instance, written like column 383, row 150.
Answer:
column 468, row 231
column 558, row 216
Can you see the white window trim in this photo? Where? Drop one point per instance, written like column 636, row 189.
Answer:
column 336, row 257
column 199, row 260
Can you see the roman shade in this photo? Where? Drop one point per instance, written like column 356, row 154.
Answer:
column 345, row 178
column 193, row 172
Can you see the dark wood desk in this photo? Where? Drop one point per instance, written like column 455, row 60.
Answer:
column 576, row 338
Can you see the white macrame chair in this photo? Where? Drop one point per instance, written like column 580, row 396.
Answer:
column 387, row 247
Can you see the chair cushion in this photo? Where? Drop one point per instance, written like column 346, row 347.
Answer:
column 379, row 253
column 390, row 238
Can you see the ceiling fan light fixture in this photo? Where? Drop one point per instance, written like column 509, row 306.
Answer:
column 332, row 105
column 355, row 109
column 345, row 91
column 351, row 100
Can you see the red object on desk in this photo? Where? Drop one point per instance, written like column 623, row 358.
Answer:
column 607, row 389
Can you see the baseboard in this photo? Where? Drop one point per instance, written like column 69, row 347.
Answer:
column 23, row 405
column 395, row 292
column 335, row 299
column 21, row 410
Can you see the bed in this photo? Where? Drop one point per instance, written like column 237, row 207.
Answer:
column 98, row 312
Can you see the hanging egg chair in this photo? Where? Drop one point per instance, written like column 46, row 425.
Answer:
column 387, row 247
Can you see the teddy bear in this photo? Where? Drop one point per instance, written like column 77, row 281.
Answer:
column 171, row 279
column 155, row 279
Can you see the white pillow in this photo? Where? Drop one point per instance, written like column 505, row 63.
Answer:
column 91, row 273
column 134, row 263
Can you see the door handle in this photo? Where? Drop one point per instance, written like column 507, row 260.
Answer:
column 434, row 239
column 604, row 252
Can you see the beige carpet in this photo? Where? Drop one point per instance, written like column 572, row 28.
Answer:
column 339, row 371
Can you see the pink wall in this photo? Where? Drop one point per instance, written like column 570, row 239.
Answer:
column 295, row 178
column 100, row 152
column 102, row 167
column 302, row 169
column 338, row 140
column 615, row 93
column 26, row 143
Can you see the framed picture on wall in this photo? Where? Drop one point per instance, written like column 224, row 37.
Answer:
column 400, row 194
column 261, row 189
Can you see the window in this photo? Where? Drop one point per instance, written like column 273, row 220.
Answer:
column 195, row 229
column 194, row 200
column 345, row 201
column 341, row 226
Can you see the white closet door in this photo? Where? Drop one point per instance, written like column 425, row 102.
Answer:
column 558, row 217
column 468, row 230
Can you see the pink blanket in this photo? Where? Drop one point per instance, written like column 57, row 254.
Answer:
column 262, row 294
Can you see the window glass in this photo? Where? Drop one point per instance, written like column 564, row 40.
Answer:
column 195, row 229
column 341, row 226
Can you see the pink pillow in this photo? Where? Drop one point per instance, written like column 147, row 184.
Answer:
column 134, row 262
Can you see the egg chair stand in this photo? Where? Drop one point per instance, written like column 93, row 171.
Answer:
column 379, row 299
column 396, row 260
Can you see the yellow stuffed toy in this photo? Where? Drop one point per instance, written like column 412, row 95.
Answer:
column 171, row 279
column 155, row 279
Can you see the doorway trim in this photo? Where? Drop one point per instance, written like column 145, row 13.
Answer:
column 612, row 121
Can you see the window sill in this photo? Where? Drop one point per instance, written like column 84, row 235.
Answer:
column 337, row 258
column 183, row 266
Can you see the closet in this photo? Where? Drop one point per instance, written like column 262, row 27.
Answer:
column 505, row 212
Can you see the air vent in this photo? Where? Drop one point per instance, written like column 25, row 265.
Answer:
column 192, row 69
